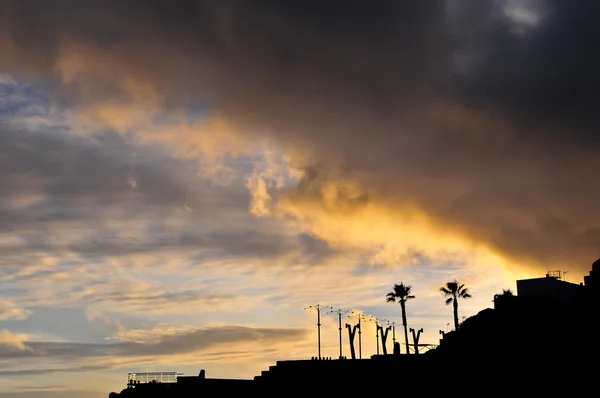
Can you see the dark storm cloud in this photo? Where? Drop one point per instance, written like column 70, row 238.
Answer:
column 482, row 117
column 378, row 53
column 545, row 77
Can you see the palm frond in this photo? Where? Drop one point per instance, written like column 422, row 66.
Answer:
column 454, row 288
column 400, row 292
column 449, row 300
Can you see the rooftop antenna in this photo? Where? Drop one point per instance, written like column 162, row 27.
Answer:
column 318, row 307
column 339, row 312
column 564, row 274
column 360, row 318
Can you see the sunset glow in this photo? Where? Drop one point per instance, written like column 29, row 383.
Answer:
column 179, row 182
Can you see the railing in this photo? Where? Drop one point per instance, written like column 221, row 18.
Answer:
column 152, row 377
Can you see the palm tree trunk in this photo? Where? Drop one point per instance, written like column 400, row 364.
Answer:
column 455, row 304
column 403, row 306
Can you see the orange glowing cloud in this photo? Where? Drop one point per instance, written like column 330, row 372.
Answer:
column 413, row 124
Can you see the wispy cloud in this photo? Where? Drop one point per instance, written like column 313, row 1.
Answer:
column 187, row 188
column 127, row 344
column 9, row 310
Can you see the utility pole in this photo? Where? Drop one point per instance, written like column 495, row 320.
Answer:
column 360, row 317
column 339, row 312
column 393, row 326
column 377, row 334
column 318, row 307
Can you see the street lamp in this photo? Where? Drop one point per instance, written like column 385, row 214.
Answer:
column 360, row 317
column 393, row 325
column 339, row 312
column 318, row 307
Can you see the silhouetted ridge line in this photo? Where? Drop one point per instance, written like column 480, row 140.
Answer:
column 547, row 329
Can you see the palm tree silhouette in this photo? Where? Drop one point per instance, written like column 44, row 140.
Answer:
column 453, row 290
column 401, row 293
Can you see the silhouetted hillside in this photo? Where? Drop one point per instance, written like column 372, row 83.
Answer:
column 538, row 331
column 542, row 342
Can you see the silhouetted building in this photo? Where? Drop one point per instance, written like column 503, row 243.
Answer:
column 592, row 281
column 551, row 286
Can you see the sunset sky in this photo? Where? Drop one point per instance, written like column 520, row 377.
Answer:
column 181, row 179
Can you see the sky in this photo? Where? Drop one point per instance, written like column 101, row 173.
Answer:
column 182, row 180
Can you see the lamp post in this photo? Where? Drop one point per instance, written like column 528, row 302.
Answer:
column 318, row 307
column 360, row 317
column 393, row 326
column 377, row 334
column 339, row 312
